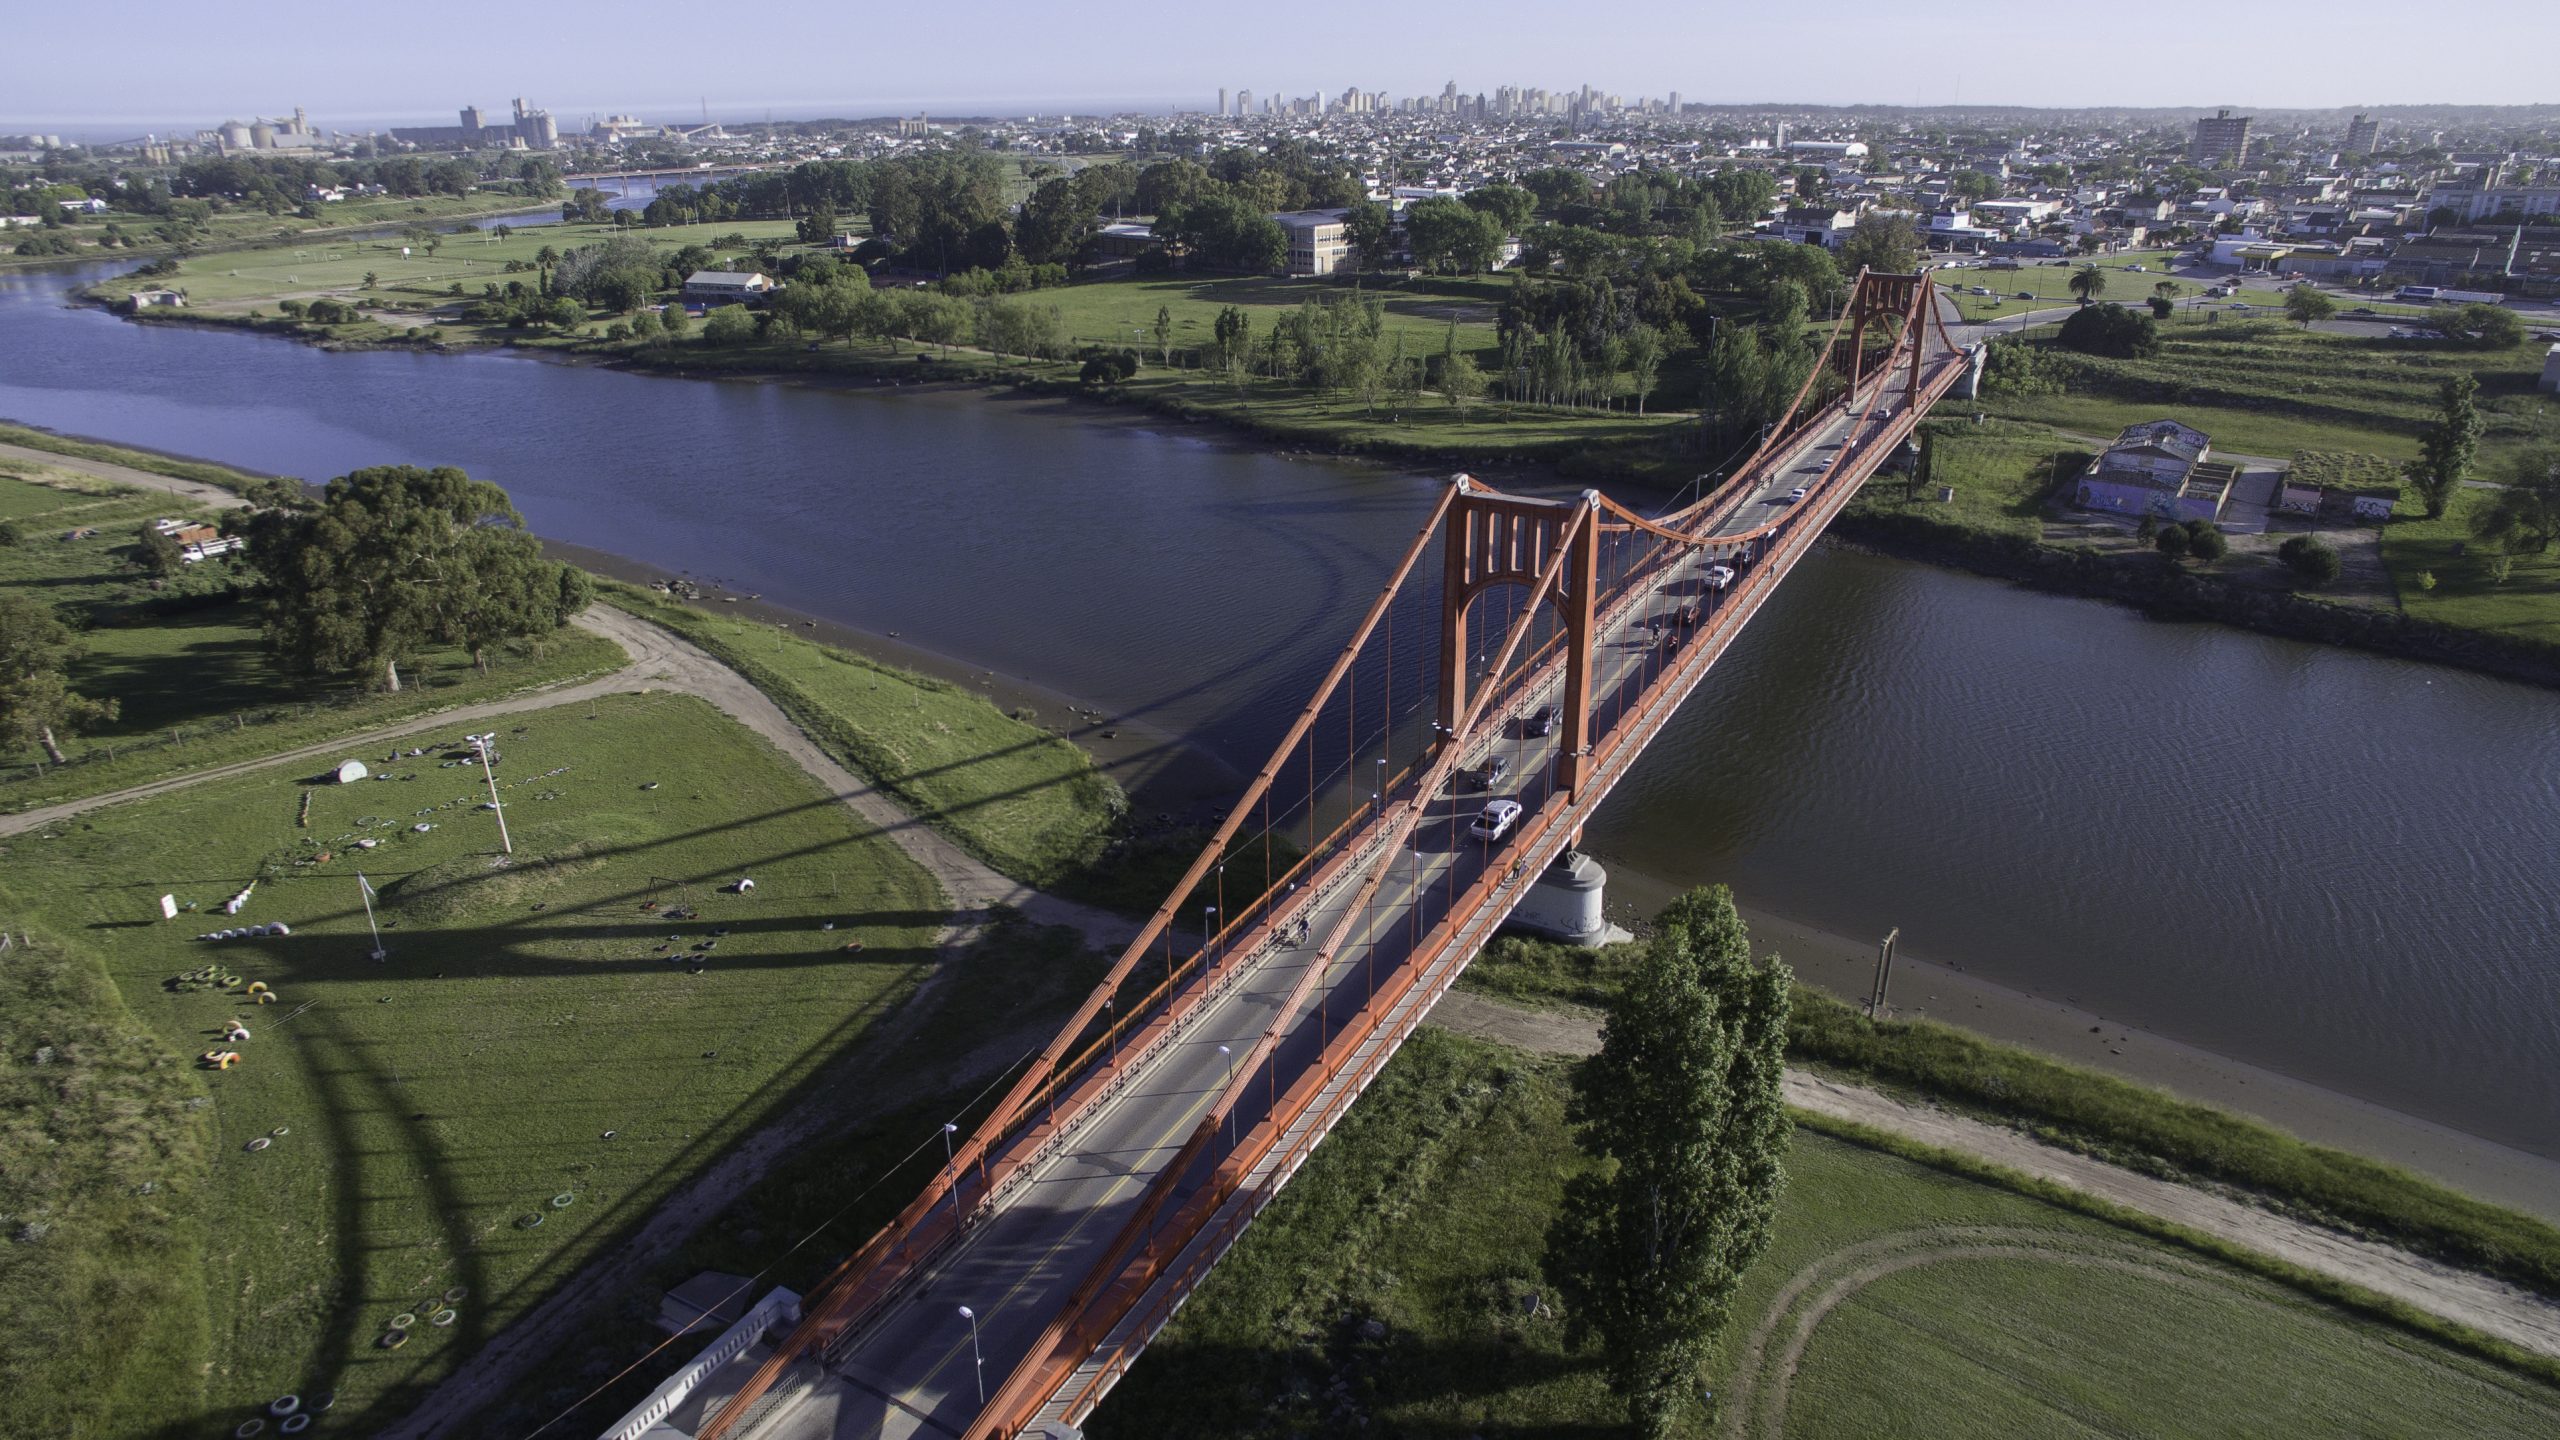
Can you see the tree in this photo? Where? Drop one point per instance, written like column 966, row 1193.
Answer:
column 1366, row 226
column 2088, row 282
column 2483, row 327
column 1164, row 335
column 1509, row 205
column 36, row 700
column 2206, row 542
column 1643, row 354
column 1681, row 1117
column 2304, row 305
column 2162, row 307
column 1446, row 236
column 1886, row 244
column 2167, row 290
column 1462, row 382
column 396, row 559
column 2110, row 330
column 818, row 227
column 2311, row 559
column 729, row 325
column 158, row 553
column 2526, row 514
column 2172, row 541
column 2447, row 444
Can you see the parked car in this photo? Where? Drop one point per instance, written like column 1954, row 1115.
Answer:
column 1541, row 721
column 2026, row 294
column 1496, row 820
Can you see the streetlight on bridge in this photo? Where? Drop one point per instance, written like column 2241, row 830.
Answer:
column 976, row 1356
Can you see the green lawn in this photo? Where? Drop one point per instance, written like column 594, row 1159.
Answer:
column 1426, row 1213
column 2263, row 387
column 196, row 682
column 1027, row 801
column 2001, row 474
column 237, row 280
column 237, row 228
column 1123, row 312
column 2526, row 604
column 537, row 1044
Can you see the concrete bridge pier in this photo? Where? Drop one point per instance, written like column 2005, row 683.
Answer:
column 1565, row 903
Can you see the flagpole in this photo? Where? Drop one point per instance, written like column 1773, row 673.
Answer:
column 364, row 887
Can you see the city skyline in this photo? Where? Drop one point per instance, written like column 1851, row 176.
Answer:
column 201, row 69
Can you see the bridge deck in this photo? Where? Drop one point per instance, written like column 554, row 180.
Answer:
column 1054, row 1219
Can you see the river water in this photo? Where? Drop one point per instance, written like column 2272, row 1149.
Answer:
column 2340, row 866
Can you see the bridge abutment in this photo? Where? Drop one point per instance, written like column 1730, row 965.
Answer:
column 1565, row 903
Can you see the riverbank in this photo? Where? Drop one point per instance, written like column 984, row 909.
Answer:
column 1165, row 776
column 421, row 210
column 2148, row 584
column 1938, row 988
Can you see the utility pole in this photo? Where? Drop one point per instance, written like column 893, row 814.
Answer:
column 1884, row 973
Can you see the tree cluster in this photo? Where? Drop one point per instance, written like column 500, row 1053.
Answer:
column 397, row 560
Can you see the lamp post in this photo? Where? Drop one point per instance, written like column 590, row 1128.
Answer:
column 949, row 1130
column 977, row 1357
column 480, row 744
column 1208, row 964
column 1231, row 1080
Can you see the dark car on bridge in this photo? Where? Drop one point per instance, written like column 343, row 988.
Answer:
column 1541, row 721
column 1482, row 777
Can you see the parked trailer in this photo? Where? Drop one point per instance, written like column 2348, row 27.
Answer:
column 2436, row 295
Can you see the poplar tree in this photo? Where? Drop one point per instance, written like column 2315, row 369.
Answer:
column 1681, row 1115
column 2447, row 444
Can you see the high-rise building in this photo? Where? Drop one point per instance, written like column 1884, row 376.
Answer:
column 1222, row 99
column 1244, row 102
column 1673, row 103
column 2221, row 140
column 2361, row 135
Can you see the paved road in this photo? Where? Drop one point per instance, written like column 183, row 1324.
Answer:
column 2489, row 1306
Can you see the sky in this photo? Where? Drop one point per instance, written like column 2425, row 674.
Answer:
column 183, row 64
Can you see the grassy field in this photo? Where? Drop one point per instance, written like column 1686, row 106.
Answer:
column 1028, row 802
column 221, row 477
column 1123, row 312
column 233, row 229
column 1394, row 1288
column 240, row 280
column 2001, row 474
column 188, row 664
column 406, row 1159
column 2526, row 603
column 2263, row 387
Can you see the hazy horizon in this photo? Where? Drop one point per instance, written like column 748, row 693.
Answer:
column 198, row 67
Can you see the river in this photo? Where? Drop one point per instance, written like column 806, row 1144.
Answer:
column 2343, row 867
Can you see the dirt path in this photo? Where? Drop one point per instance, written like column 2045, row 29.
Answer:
column 662, row 661
column 2489, row 1306
column 211, row 497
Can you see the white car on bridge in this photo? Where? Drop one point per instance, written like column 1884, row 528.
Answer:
column 1496, row 820
column 1719, row 577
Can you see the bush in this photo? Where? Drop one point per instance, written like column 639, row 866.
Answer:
column 2111, row 330
column 2205, row 540
column 2315, row 563
column 2172, row 542
column 2162, row 307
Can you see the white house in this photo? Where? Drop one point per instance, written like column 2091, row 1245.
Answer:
column 90, row 205
column 727, row 287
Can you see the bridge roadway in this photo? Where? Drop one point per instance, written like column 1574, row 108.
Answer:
column 916, row 1370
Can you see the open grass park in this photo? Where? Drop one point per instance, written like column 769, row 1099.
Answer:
column 242, row 228
column 410, row 1150
column 184, row 658
column 1395, row 1288
column 1025, row 800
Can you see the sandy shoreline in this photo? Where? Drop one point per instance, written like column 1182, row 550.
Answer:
column 1943, row 991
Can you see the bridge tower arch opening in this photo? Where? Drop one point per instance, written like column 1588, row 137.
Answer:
column 1497, row 541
